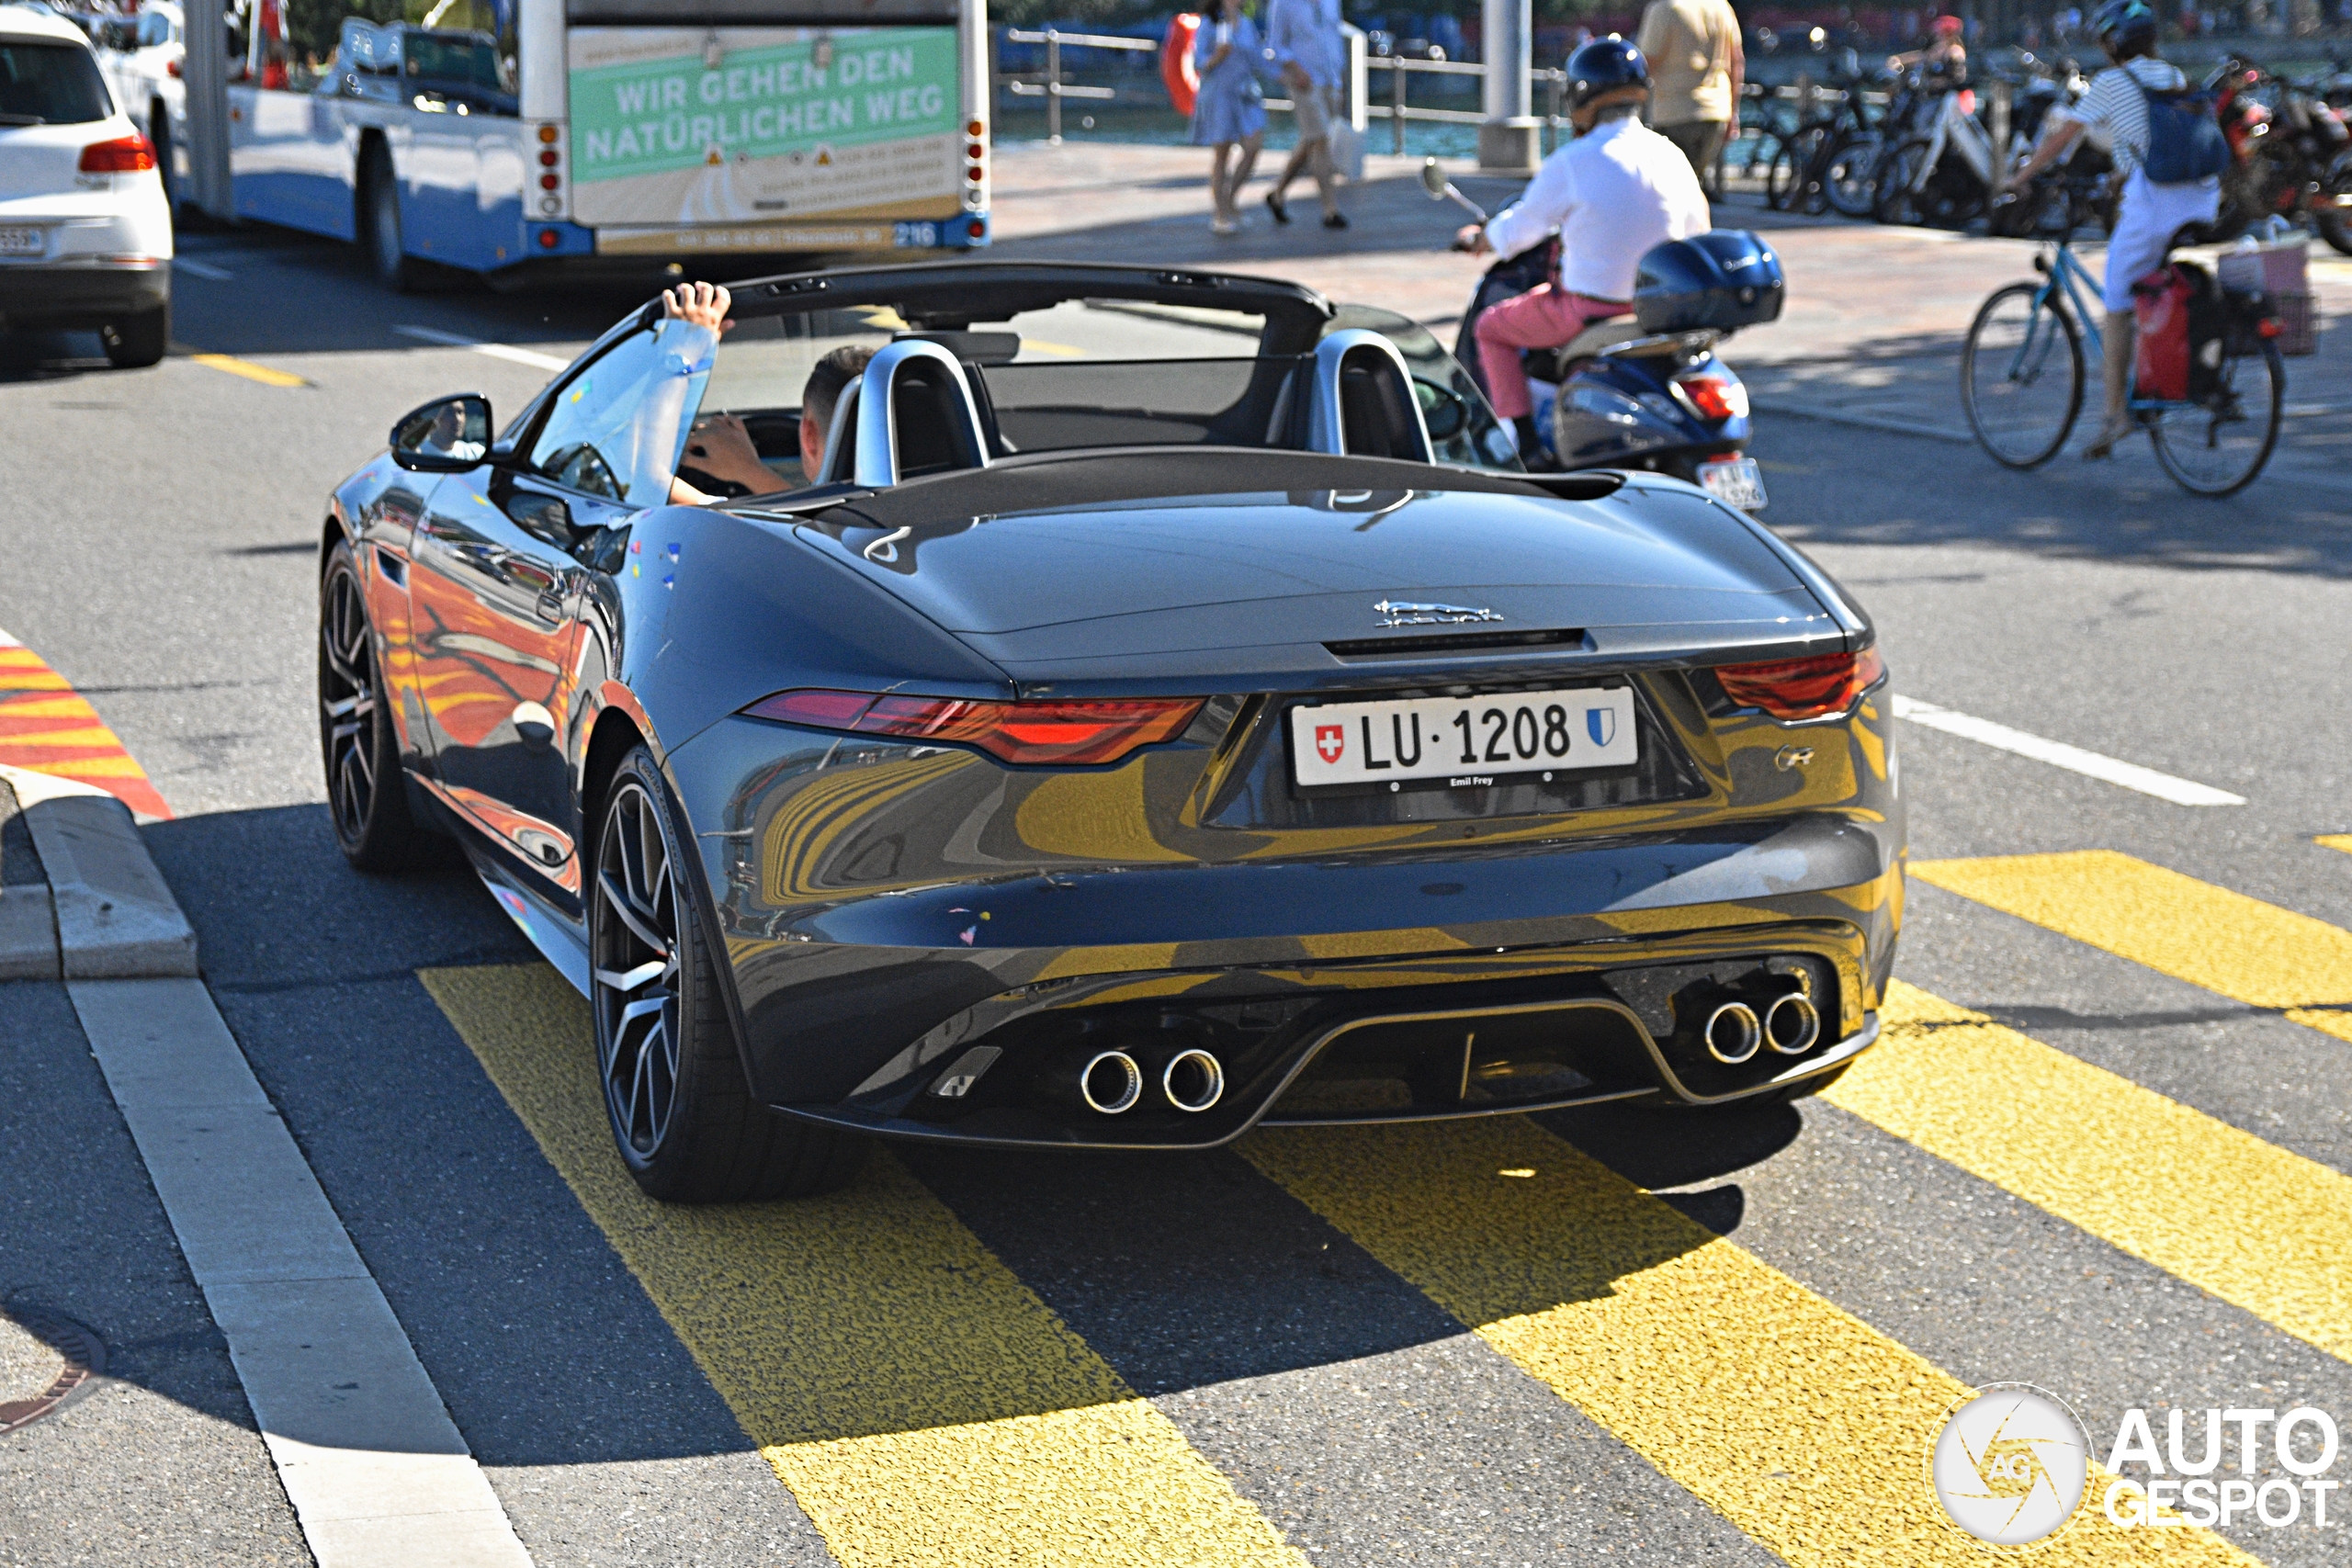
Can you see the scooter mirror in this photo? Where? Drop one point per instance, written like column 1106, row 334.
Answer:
column 1434, row 179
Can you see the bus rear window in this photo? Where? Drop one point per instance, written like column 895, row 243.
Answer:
column 50, row 83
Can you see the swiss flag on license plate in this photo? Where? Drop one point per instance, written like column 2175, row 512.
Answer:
column 1330, row 740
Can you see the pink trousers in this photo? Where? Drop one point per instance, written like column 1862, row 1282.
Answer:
column 1545, row 317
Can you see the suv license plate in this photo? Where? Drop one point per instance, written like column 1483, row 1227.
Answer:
column 1468, row 741
column 22, row 241
column 1734, row 481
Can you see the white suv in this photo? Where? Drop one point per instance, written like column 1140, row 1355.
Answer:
column 85, row 234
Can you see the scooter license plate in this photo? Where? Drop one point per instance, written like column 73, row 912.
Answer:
column 1734, row 481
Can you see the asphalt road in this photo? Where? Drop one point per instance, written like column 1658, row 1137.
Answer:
column 1298, row 1314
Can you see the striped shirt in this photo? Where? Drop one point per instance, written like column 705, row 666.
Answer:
column 2117, row 113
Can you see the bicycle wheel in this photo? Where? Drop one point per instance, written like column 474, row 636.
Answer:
column 2215, row 446
column 1905, row 167
column 2021, row 376
column 1850, row 179
column 1784, row 179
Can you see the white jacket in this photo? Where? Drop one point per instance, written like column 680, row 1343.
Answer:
column 1611, row 193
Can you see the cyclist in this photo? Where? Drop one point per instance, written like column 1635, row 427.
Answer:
column 1946, row 58
column 2115, row 112
column 1611, row 193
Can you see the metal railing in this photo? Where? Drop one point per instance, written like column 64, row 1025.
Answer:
column 1392, row 105
column 1053, row 89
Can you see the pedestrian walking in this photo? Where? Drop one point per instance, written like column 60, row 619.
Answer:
column 1230, row 109
column 1303, row 36
column 1696, row 71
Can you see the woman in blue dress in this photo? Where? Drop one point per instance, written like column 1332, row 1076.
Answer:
column 1230, row 108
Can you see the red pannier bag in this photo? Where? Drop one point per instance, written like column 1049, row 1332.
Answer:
column 2160, row 303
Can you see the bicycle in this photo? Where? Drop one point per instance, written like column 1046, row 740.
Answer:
column 2021, row 379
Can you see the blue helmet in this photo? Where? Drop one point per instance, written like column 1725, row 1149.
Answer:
column 1602, row 66
column 2125, row 27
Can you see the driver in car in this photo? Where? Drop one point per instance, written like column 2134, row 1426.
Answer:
column 719, row 446
column 1611, row 193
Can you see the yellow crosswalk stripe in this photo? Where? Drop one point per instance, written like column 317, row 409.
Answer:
column 2257, row 1227
column 923, row 1407
column 1803, row 1426
column 2246, row 950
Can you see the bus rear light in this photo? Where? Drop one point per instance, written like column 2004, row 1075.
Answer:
column 547, row 134
column 172, row 69
column 978, row 228
column 974, row 128
column 548, row 182
column 546, row 159
column 976, row 152
column 1804, row 688
column 1076, row 733
column 550, row 239
column 976, row 174
column 124, row 155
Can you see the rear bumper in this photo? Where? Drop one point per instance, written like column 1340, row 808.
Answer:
column 81, row 295
column 888, row 910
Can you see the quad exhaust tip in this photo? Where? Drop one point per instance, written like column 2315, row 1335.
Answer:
column 1792, row 1024
column 1733, row 1033
column 1194, row 1080
column 1112, row 1083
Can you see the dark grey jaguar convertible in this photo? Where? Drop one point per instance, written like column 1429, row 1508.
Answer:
column 1165, row 709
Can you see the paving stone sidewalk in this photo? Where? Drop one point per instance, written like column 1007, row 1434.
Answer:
column 1871, row 336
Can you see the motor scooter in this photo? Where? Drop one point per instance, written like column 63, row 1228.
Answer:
column 1646, row 390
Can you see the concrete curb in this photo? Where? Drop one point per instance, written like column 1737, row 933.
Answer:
column 106, row 913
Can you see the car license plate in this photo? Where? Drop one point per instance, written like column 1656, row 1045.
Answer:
column 1734, row 481
column 22, row 241
column 1466, row 741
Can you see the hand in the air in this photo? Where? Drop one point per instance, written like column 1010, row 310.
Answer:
column 1472, row 238
column 704, row 304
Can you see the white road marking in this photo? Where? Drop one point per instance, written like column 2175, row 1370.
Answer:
column 376, row 1470
column 2057, row 754
column 496, row 350
column 218, row 274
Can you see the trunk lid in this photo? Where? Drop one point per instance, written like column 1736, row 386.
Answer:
column 1249, row 586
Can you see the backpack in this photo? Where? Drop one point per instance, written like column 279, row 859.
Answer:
column 2185, row 141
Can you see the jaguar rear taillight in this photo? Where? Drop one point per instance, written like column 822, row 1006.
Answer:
column 1804, row 688
column 1077, row 732
column 1713, row 397
column 124, row 155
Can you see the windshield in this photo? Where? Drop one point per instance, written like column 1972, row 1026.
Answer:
column 50, row 83
column 1082, row 373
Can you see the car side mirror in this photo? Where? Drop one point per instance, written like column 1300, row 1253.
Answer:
column 444, row 437
column 1444, row 414
column 1434, row 179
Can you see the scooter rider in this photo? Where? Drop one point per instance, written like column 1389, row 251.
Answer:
column 1613, row 192
column 2115, row 111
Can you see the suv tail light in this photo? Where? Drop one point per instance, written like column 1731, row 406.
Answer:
column 1716, row 398
column 123, row 155
column 1075, row 732
column 1804, row 688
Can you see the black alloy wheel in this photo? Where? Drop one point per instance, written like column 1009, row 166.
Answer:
column 683, row 1115
column 367, row 799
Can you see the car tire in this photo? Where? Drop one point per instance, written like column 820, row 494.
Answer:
column 366, row 795
column 380, row 224
column 136, row 341
column 683, row 1115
